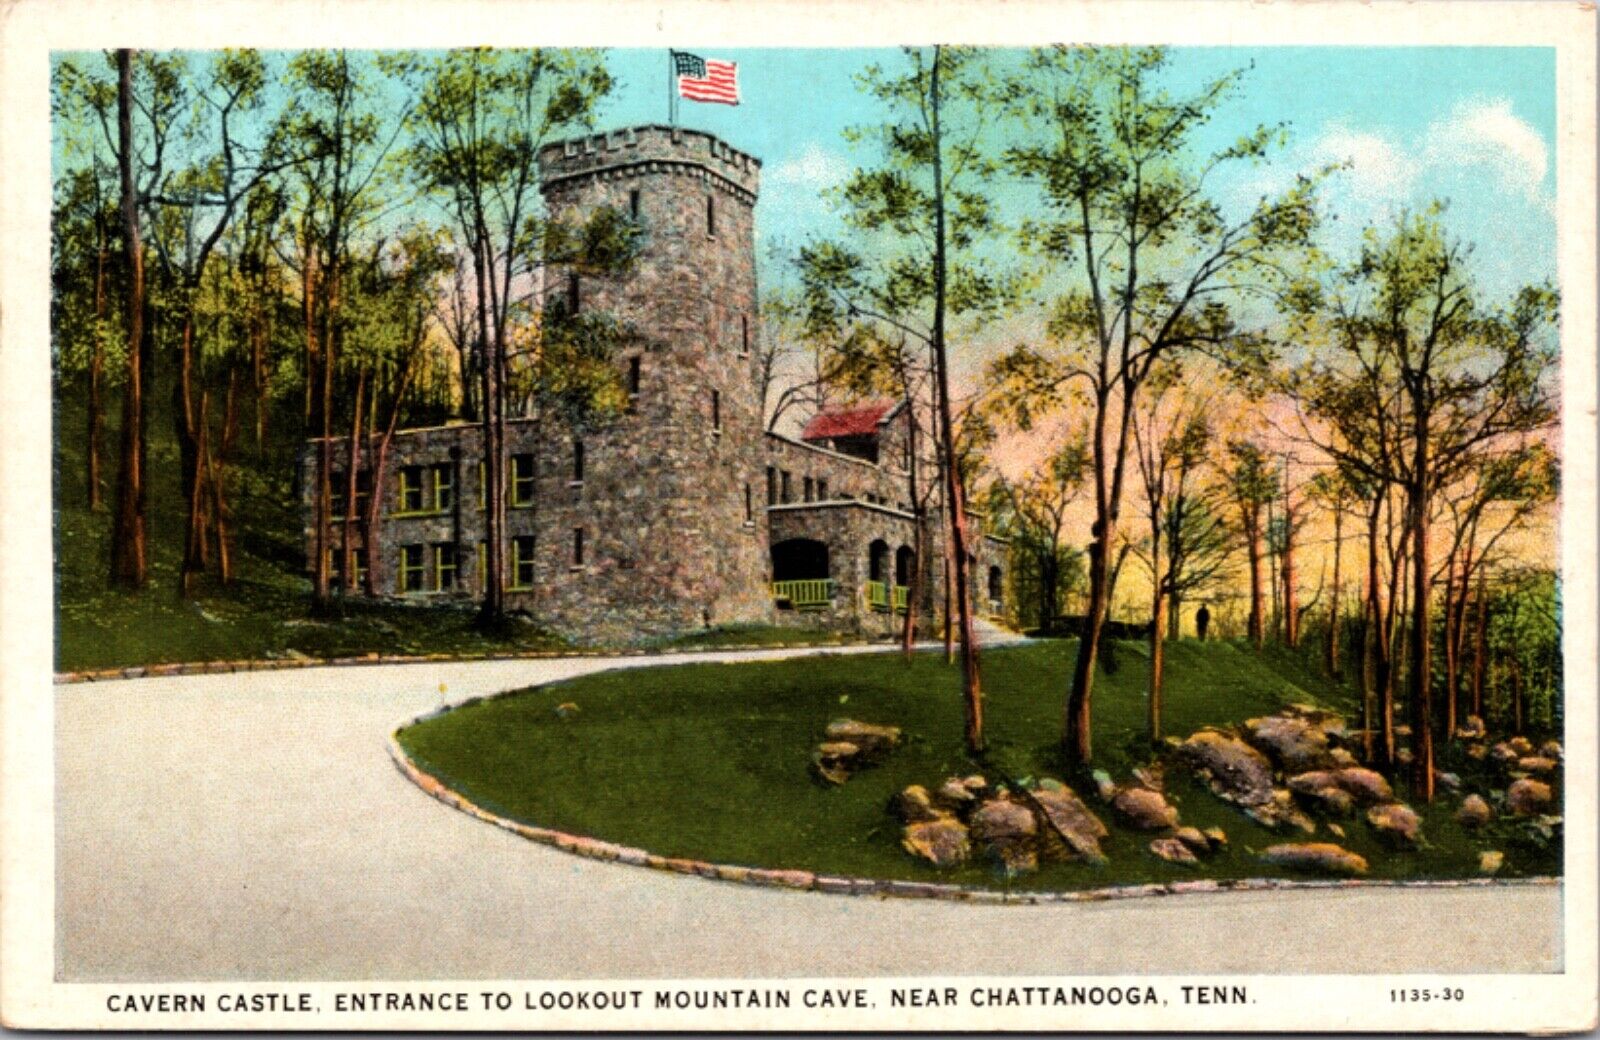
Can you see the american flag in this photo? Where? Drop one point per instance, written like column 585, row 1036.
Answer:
column 706, row 79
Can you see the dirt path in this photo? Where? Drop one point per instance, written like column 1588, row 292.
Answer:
column 252, row 827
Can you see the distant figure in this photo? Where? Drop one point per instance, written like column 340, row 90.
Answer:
column 1202, row 620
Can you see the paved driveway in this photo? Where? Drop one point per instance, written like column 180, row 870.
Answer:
column 252, row 827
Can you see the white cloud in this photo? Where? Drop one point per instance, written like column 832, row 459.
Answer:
column 1485, row 132
column 1377, row 169
column 815, row 168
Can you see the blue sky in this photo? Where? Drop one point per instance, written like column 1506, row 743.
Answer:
column 1475, row 126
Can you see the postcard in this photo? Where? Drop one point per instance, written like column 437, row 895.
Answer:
column 798, row 516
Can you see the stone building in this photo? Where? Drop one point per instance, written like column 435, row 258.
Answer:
column 683, row 512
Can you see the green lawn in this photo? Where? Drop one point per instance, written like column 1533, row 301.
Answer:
column 710, row 760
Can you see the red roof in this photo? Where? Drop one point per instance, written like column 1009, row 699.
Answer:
column 849, row 422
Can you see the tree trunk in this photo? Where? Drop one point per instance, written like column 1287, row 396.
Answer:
column 1291, row 611
column 128, row 528
column 491, row 612
column 1334, row 668
column 1252, row 540
column 352, row 481
column 1158, row 641
column 221, row 512
column 187, row 431
column 1480, row 625
column 1454, row 593
column 320, row 586
column 195, row 531
column 1420, row 643
column 97, row 419
column 971, row 684
column 908, row 629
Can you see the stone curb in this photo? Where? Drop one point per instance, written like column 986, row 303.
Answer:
column 151, row 671
column 805, row 880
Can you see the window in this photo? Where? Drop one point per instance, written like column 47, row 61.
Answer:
column 822, row 490
column 522, row 480
column 711, row 216
column 633, row 204
column 483, row 488
column 784, row 493
column 744, row 334
column 808, row 489
column 522, row 561
column 336, row 568
column 772, row 486
column 444, row 487
column 336, row 496
column 411, row 568
column 363, row 490
column 574, row 297
column 716, row 411
column 410, row 489
column 749, row 505
column 483, row 565
column 577, row 547
column 444, row 565
column 635, row 372
column 577, row 462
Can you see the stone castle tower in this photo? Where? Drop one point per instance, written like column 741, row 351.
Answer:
column 671, row 496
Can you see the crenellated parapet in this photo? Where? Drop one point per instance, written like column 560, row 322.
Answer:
column 652, row 150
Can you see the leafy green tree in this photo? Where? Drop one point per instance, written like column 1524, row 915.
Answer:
column 1147, row 263
column 1419, row 377
column 924, row 212
column 482, row 115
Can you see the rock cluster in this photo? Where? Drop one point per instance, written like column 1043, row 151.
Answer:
column 850, row 746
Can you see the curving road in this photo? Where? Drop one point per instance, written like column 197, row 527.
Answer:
column 252, row 826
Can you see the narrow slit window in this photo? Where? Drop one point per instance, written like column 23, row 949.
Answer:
column 822, row 490
column 744, row 333
column 577, row 547
column 716, row 410
column 633, row 204
column 635, row 374
column 711, row 216
column 808, row 488
column 577, row 461
column 785, row 490
column 772, row 486
column 749, row 505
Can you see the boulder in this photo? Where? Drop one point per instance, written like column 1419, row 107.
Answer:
column 1144, row 809
column 1104, row 786
column 1538, row 765
column 1316, row 858
column 1396, row 823
column 1528, row 797
column 1149, row 778
column 1477, row 752
column 1330, row 722
column 1329, row 801
column 915, row 805
column 1007, row 831
column 1521, row 745
column 1471, row 729
column 1295, row 744
column 1173, row 851
column 874, row 741
column 1551, row 749
column 954, row 796
column 1474, row 811
column 942, row 842
column 1235, row 771
column 1335, row 830
column 1365, row 786
column 1342, row 759
column 1078, row 828
column 833, row 761
column 1194, row 838
column 1447, row 781
column 1490, row 861
column 1217, row 837
column 1280, row 813
column 1504, row 753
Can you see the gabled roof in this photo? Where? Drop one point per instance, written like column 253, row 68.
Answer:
column 860, row 421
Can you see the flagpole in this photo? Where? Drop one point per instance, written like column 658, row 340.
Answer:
column 672, row 93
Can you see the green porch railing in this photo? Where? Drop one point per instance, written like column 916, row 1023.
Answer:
column 808, row 594
column 879, row 594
